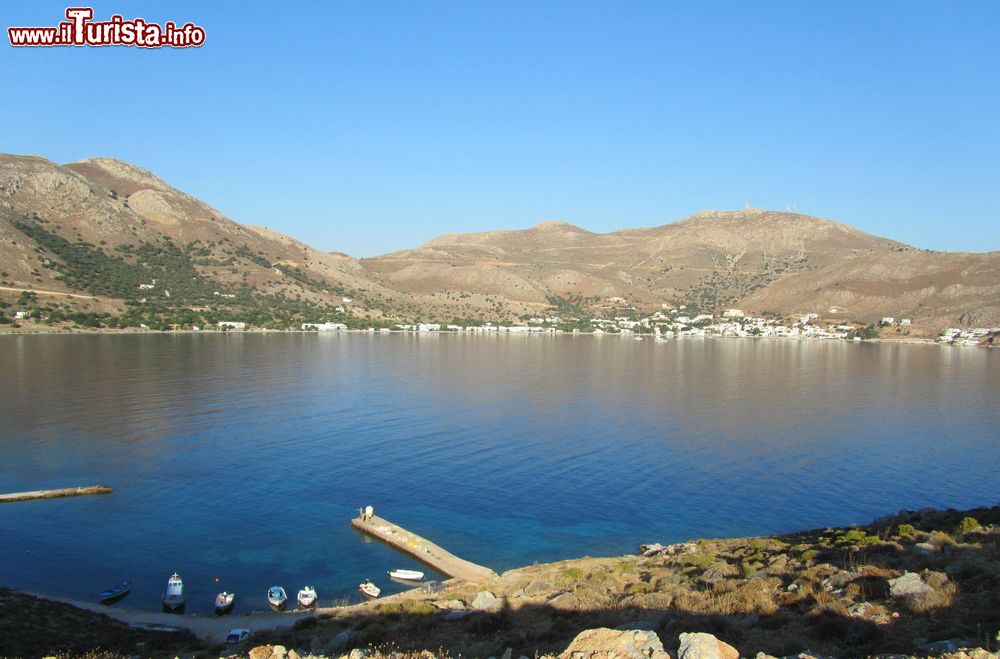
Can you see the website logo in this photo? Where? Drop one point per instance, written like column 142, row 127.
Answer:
column 79, row 29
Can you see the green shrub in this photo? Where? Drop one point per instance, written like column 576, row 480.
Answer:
column 699, row 561
column 639, row 587
column 968, row 524
column 625, row 567
column 572, row 574
column 808, row 555
column 855, row 538
column 907, row 531
column 419, row 608
column 940, row 539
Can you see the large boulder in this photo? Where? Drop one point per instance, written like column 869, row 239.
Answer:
column 839, row 580
column 449, row 605
column 269, row 652
column 909, row 585
column 705, row 646
column 604, row 643
column 485, row 601
column 342, row 640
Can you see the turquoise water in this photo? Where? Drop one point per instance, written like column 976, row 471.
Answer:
column 243, row 457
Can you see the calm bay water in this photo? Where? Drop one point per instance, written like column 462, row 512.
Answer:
column 243, row 456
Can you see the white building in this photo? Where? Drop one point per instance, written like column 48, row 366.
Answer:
column 325, row 327
column 232, row 324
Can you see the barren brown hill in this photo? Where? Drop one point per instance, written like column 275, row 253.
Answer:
column 755, row 260
column 103, row 229
column 113, row 209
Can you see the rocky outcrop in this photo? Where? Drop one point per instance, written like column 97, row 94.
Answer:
column 705, row 646
column 909, row 585
column 485, row 601
column 273, row 652
column 604, row 643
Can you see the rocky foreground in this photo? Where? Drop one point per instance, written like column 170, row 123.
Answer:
column 915, row 584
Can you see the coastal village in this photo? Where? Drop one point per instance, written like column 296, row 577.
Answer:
column 620, row 318
column 673, row 321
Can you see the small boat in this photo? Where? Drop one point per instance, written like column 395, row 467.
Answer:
column 276, row 598
column 173, row 595
column 307, row 597
column 406, row 575
column 224, row 603
column 368, row 588
column 112, row 595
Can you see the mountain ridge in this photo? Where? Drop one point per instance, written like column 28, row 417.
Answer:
column 126, row 219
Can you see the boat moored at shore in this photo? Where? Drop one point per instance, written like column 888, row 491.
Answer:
column 224, row 603
column 369, row 589
column 307, row 597
column 406, row 575
column 276, row 598
column 173, row 595
column 115, row 593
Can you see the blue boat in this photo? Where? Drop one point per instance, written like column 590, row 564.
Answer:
column 112, row 595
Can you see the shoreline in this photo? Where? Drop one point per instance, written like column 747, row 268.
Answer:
column 909, row 584
column 207, row 627
column 650, row 335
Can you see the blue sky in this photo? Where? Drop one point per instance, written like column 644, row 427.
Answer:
column 366, row 127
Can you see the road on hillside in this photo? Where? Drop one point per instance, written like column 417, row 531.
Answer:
column 42, row 292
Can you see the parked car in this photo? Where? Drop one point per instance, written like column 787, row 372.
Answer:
column 237, row 635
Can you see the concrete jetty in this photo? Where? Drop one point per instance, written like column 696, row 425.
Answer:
column 422, row 549
column 55, row 494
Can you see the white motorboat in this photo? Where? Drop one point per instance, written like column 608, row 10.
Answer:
column 173, row 595
column 276, row 598
column 368, row 588
column 307, row 597
column 224, row 603
column 406, row 575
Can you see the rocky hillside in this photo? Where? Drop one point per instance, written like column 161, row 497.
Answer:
column 917, row 583
column 101, row 238
column 755, row 260
column 124, row 240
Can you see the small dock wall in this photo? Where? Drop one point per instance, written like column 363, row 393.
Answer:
column 422, row 549
column 54, row 494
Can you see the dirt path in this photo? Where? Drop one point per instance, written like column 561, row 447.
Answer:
column 206, row 627
column 43, row 292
